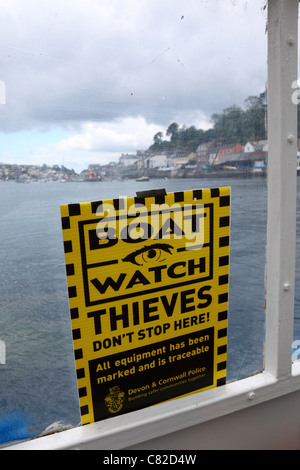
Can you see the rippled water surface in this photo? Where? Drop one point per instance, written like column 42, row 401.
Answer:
column 37, row 384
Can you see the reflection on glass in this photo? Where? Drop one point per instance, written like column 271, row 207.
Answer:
column 166, row 92
column 296, row 343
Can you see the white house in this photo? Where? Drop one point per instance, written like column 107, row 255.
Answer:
column 157, row 161
column 256, row 146
column 128, row 160
column 180, row 160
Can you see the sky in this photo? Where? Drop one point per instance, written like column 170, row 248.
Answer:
column 83, row 81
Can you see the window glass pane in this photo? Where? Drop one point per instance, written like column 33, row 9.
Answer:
column 90, row 94
column 296, row 342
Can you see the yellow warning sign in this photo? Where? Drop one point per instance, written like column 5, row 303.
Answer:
column 148, row 282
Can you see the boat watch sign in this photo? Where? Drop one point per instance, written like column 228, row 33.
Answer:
column 148, row 285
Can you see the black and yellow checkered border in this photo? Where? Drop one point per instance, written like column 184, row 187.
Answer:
column 71, row 214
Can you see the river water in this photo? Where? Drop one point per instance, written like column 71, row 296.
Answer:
column 37, row 383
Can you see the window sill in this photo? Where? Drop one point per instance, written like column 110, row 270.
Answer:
column 127, row 430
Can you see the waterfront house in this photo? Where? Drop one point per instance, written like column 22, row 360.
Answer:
column 229, row 149
column 156, row 161
column 256, row 146
column 254, row 161
column 203, row 152
column 128, row 159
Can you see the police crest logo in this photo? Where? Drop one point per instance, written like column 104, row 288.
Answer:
column 114, row 400
column 148, row 281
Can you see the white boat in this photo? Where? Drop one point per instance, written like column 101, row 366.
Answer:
column 143, row 178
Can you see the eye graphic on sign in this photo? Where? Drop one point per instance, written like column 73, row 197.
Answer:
column 153, row 253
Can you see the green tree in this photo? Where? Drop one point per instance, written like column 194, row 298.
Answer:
column 233, row 124
column 255, row 119
column 173, row 131
column 228, row 126
column 191, row 138
column 158, row 142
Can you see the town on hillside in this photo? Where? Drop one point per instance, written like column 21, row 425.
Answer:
column 208, row 160
column 236, row 145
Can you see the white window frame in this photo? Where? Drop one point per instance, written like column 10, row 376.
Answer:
column 280, row 376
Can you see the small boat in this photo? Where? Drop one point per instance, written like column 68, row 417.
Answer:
column 21, row 180
column 143, row 178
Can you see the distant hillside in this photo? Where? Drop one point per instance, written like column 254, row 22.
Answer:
column 234, row 124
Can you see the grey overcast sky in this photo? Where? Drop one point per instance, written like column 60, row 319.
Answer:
column 87, row 80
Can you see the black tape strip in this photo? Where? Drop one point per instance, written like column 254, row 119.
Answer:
column 160, row 199
column 151, row 193
column 139, row 200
